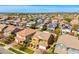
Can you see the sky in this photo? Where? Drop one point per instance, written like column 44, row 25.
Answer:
column 39, row 8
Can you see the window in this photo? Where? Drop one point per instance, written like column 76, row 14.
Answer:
column 21, row 41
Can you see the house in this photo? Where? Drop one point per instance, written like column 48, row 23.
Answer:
column 41, row 40
column 62, row 21
column 66, row 29
column 29, row 24
column 9, row 30
column 47, row 21
column 75, row 21
column 78, row 30
column 39, row 20
column 23, row 23
column 51, row 26
column 24, row 34
column 42, row 20
column 67, row 44
column 23, row 18
column 2, row 26
column 37, row 23
column 17, row 21
column 17, row 29
column 3, row 17
column 75, row 32
column 40, row 26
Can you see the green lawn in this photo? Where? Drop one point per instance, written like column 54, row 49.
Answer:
column 29, row 51
column 9, row 39
column 24, row 49
column 7, row 42
column 15, row 51
column 1, row 44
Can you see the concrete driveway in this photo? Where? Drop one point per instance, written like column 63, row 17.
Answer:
column 4, row 51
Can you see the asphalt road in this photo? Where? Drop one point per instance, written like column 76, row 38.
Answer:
column 4, row 51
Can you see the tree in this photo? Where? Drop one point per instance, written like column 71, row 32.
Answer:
column 68, row 19
column 33, row 26
column 9, row 39
column 74, row 27
column 58, row 31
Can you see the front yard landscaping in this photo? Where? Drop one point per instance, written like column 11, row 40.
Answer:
column 2, row 44
column 24, row 49
column 50, row 50
column 15, row 51
column 29, row 51
column 8, row 39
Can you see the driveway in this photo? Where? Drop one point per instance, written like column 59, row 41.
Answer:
column 4, row 51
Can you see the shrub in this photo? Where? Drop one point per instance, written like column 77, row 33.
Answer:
column 9, row 39
column 75, row 26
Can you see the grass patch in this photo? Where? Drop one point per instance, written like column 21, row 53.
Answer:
column 1, row 44
column 29, row 51
column 9, row 39
column 24, row 49
column 6, row 42
column 15, row 51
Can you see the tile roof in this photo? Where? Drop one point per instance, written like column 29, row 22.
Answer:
column 2, row 26
column 26, row 32
column 74, row 22
column 69, row 41
column 10, row 28
column 42, row 35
